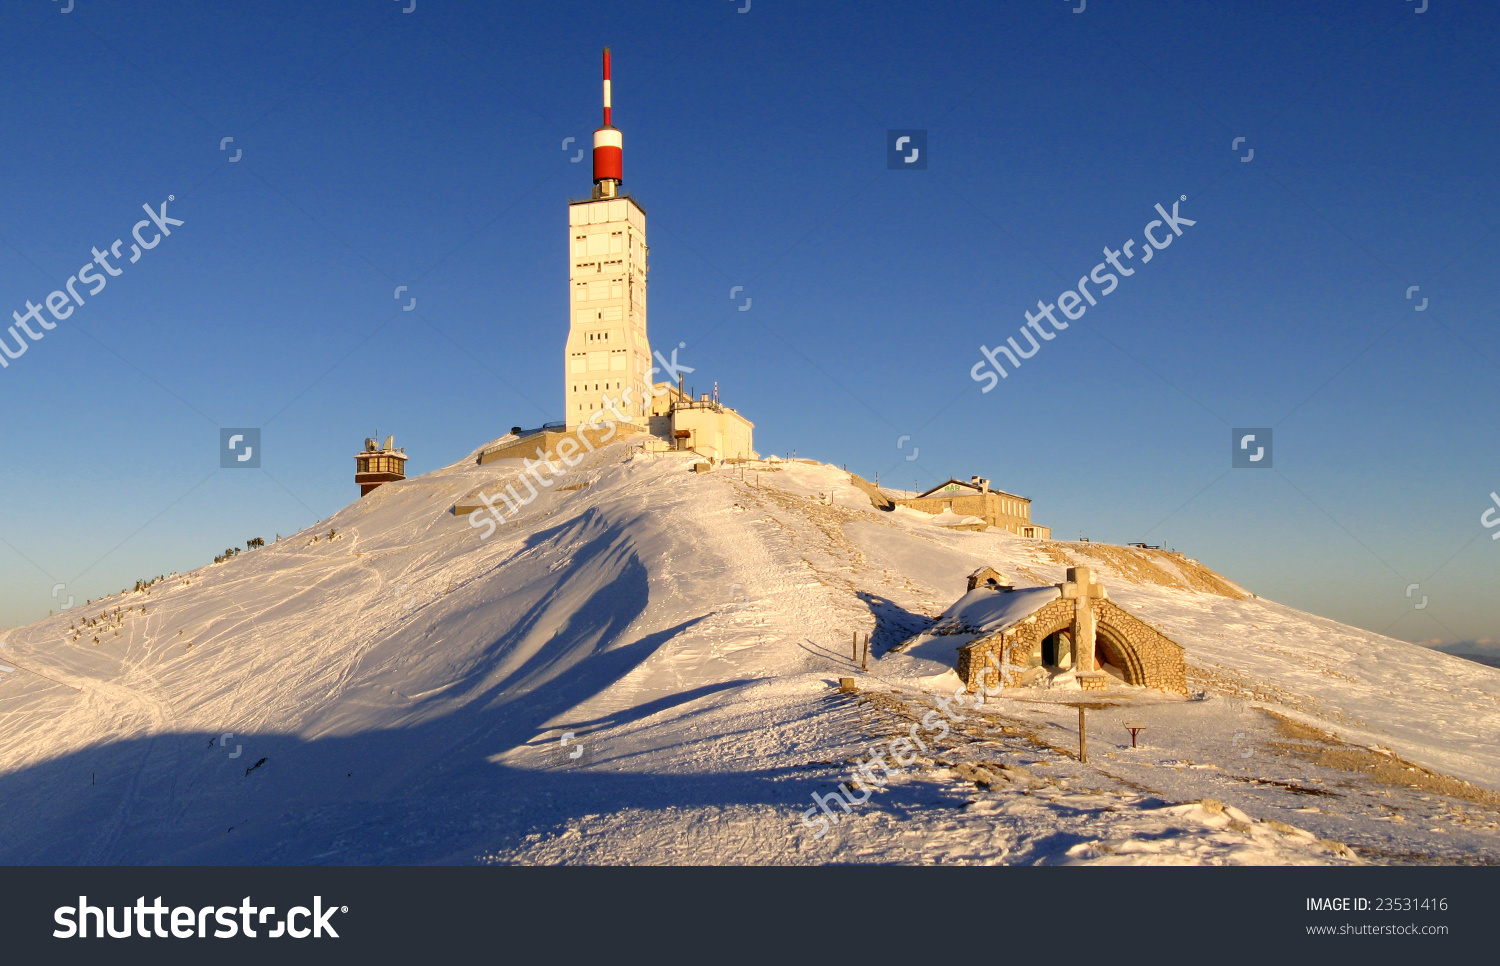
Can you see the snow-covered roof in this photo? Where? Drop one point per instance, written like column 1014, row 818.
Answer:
column 984, row 611
column 974, row 490
column 980, row 612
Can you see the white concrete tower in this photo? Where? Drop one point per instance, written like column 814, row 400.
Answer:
column 607, row 351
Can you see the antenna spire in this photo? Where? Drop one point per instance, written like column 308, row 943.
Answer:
column 608, row 166
column 606, row 87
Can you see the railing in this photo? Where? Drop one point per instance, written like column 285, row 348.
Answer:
column 698, row 404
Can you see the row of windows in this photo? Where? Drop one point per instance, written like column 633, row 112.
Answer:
column 380, row 464
column 606, row 387
column 600, row 359
column 610, row 313
column 602, row 289
column 598, row 244
column 587, row 247
column 1016, row 508
column 598, row 266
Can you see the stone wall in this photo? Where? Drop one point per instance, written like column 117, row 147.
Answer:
column 548, row 440
column 878, row 498
column 1161, row 664
column 990, row 507
column 1012, row 645
column 1144, row 655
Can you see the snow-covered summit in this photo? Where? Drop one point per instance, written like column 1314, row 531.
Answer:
column 638, row 667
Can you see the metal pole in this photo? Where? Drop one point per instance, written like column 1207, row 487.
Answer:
column 865, row 665
column 1083, row 737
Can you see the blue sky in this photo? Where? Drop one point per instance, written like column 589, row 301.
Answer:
column 379, row 148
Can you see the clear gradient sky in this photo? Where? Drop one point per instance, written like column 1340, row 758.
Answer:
column 380, row 148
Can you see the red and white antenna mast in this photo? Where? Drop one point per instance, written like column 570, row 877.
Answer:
column 608, row 166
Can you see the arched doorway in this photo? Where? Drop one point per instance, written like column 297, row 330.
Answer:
column 1112, row 653
column 1054, row 651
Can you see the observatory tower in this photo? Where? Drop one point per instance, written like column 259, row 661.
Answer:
column 607, row 350
column 379, row 464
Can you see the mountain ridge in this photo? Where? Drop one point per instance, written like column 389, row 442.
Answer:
column 405, row 676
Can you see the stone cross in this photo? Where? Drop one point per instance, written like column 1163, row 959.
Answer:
column 1083, row 589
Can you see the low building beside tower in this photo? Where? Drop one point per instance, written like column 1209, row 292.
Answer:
column 703, row 425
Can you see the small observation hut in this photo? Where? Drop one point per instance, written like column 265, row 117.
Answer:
column 379, row 464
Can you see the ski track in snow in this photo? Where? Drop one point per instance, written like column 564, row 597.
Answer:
column 399, row 692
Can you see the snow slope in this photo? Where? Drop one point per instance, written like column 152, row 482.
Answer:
column 639, row 668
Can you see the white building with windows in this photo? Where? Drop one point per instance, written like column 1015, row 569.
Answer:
column 607, row 348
